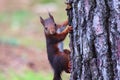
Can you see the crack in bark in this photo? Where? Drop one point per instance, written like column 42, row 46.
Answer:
column 111, row 75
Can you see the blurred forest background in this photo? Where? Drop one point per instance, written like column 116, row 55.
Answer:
column 22, row 42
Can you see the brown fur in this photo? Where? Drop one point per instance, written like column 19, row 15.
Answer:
column 60, row 61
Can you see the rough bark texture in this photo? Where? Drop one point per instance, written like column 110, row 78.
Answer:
column 95, row 41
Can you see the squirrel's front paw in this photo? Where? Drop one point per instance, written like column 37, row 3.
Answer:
column 70, row 28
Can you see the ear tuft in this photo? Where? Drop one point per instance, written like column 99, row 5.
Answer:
column 51, row 16
column 42, row 20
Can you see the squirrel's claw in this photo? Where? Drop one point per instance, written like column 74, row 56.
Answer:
column 69, row 6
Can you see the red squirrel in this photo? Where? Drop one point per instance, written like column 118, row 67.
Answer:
column 60, row 61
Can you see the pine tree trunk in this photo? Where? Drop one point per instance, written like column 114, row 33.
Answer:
column 95, row 40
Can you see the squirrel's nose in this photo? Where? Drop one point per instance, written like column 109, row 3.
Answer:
column 52, row 32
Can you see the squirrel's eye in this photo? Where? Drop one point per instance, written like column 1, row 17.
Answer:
column 45, row 28
column 55, row 24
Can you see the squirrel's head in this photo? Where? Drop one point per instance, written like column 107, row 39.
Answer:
column 49, row 25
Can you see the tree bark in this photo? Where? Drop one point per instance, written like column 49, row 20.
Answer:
column 95, row 40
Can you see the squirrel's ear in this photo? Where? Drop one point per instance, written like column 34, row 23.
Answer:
column 42, row 20
column 51, row 16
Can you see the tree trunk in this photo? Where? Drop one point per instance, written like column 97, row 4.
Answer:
column 95, row 40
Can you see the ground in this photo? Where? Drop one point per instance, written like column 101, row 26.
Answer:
column 19, row 58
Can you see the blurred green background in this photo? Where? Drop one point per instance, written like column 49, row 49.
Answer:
column 22, row 42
